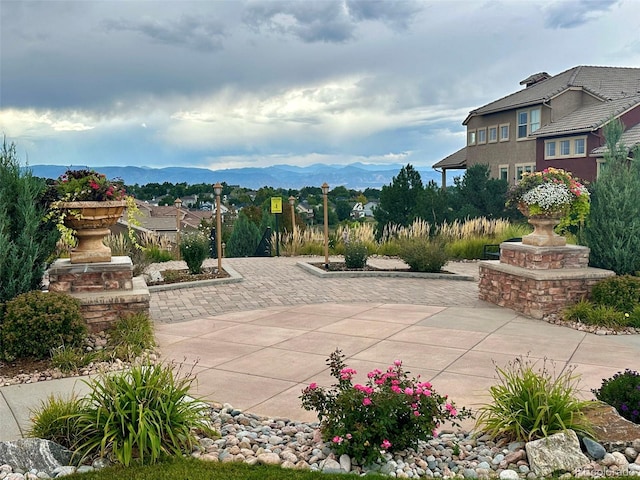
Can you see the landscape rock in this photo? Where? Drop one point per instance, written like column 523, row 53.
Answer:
column 594, row 449
column 609, row 427
column 268, row 458
column 34, row 453
column 557, row 452
column 509, row 475
column 331, row 466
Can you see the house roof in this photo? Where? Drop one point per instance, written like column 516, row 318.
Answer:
column 589, row 118
column 630, row 139
column 606, row 83
column 454, row 161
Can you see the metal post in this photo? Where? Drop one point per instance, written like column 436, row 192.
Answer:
column 325, row 191
column 217, row 189
column 178, row 204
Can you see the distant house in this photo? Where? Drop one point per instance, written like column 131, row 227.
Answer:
column 555, row 121
column 363, row 211
column 305, row 210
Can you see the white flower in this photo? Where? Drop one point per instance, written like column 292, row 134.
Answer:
column 548, row 196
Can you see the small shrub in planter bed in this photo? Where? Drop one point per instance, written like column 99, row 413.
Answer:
column 424, row 255
column 37, row 322
column 355, row 255
column 620, row 292
column 194, row 248
column 622, row 391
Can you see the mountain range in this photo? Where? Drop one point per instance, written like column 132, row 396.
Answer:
column 356, row 176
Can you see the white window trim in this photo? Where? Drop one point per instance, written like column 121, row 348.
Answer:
column 500, row 167
column 481, row 142
column 471, row 134
column 572, row 147
column 508, row 125
column 529, row 132
column 489, row 136
column 524, row 166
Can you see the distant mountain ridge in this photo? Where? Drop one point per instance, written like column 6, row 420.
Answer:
column 357, row 176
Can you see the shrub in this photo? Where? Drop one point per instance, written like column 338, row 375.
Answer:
column 390, row 413
column 355, row 255
column 53, row 420
column 620, row 292
column 423, row 255
column 131, row 335
column 157, row 255
column 622, row 391
column 37, row 322
column 613, row 227
column 244, row 239
column 529, row 404
column 194, row 249
column 27, row 238
column 138, row 416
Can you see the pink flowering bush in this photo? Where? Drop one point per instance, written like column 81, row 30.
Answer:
column 390, row 413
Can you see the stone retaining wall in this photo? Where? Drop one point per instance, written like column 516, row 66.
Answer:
column 107, row 290
column 538, row 281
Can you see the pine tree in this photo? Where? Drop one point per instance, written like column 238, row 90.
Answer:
column 401, row 202
column 613, row 227
column 27, row 240
column 244, row 239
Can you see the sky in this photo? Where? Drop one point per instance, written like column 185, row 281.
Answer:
column 229, row 84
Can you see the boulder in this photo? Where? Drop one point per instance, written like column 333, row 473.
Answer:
column 610, row 429
column 34, row 453
column 557, row 452
column 594, row 449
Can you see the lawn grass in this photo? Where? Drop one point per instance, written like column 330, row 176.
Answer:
column 192, row 469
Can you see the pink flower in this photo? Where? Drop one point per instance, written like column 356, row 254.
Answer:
column 338, row 439
column 396, row 389
column 416, row 413
column 385, row 444
column 366, row 401
column 347, row 373
column 414, row 406
column 451, row 409
column 434, row 432
column 408, row 391
column 397, row 363
column 349, row 437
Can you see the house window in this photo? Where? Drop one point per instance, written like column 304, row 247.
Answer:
column 567, row 147
column 528, row 122
column 472, row 138
column 524, row 168
column 504, row 132
column 550, row 149
column 482, row 135
column 504, row 172
column 493, row 134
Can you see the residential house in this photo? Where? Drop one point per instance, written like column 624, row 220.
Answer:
column 554, row 121
column 360, row 210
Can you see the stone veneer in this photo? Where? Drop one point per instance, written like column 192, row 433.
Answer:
column 106, row 290
column 538, row 281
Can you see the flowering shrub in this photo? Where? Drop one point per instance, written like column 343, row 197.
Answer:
column 550, row 192
column 390, row 413
column 88, row 185
column 194, row 249
column 622, row 391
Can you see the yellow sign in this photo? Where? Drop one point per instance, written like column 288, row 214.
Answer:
column 276, row 204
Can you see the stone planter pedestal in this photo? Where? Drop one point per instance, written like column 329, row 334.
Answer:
column 538, row 281
column 106, row 290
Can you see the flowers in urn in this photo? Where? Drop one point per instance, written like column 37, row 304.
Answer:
column 88, row 185
column 553, row 192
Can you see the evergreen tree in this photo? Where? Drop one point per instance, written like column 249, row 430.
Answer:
column 244, row 239
column 27, row 240
column 401, row 202
column 476, row 194
column 613, row 227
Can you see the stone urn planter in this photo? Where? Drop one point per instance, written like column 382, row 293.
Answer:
column 91, row 222
column 543, row 234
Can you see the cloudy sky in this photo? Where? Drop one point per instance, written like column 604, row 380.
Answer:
column 234, row 83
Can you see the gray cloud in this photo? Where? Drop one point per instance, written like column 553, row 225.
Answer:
column 397, row 14
column 326, row 21
column 573, row 13
column 185, row 31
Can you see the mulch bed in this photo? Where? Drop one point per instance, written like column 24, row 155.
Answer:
column 180, row 276
column 342, row 267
